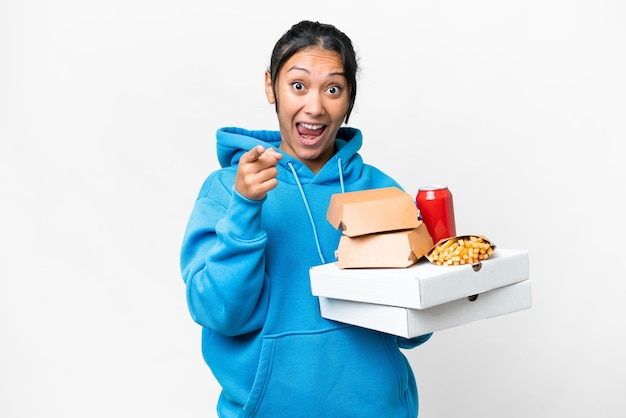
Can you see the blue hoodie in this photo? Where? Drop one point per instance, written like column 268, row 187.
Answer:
column 246, row 265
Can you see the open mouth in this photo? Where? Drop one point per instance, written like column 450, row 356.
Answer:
column 309, row 133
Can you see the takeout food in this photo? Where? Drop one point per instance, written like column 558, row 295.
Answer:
column 386, row 249
column 372, row 211
column 379, row 228
column 464, row 249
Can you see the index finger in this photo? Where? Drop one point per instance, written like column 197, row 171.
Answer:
column 253, row 155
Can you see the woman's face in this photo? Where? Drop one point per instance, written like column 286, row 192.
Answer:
column 312, row 100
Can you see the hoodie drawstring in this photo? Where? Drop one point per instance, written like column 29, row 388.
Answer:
column 340, row 174
column 308, row 209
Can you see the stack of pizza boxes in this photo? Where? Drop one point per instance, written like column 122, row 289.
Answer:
column 382, row 278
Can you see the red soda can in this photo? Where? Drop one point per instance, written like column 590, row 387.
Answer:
column 436, row 210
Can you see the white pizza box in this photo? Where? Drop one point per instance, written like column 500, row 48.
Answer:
column 421, row 285
column 409, row 323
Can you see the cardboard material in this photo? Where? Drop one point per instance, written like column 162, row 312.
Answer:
column 421, row 285
column 384, row 250
column 456, row 250
column 410, row 323
column 372, row 211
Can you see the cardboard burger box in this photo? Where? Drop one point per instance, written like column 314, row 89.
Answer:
column 423, row 297
column 380, row 228
column 372, row 211
column 384, row 249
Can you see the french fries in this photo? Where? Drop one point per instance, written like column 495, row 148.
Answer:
column 456, row 251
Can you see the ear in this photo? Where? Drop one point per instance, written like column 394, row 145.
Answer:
column 269, row 92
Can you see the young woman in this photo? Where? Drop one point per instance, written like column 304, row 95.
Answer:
column 258, row 225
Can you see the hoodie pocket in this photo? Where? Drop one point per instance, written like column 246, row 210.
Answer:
column 340, row 372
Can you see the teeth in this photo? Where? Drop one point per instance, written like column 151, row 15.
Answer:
column 309, row 126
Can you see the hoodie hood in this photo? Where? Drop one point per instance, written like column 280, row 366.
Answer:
column 232, row 142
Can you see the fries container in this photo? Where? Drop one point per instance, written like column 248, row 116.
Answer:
column 429, row 253
column 424, row 297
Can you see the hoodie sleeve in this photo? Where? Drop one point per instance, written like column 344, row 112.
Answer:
column 409, row 343
column 223, row 260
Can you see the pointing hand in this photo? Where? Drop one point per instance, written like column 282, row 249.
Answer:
column 256, row 173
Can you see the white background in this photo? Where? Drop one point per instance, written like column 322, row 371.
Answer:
column 108, row 112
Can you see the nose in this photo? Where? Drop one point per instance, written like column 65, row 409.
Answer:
column 314, row 105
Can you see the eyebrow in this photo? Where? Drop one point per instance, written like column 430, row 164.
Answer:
column 295, row 67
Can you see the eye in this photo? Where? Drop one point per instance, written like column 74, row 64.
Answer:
column 297, row 85
column 334, row 90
